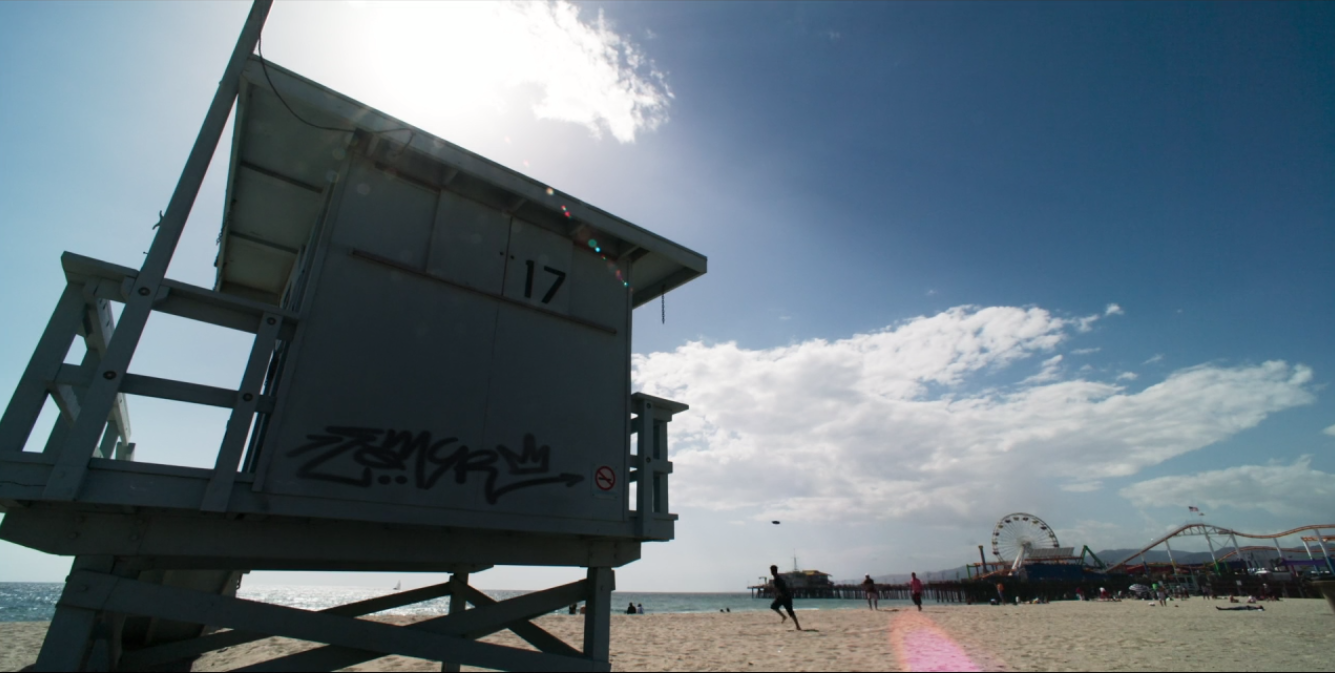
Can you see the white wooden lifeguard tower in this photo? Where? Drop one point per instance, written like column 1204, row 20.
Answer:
column 440, row 381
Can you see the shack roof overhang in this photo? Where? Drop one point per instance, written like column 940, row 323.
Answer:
column 283, row 171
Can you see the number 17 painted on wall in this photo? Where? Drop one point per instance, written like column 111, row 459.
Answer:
column 551, row 292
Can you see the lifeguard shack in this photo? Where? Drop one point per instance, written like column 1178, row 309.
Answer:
column 439, row 381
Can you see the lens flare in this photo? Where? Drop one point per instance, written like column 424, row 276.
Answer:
column 921, row 645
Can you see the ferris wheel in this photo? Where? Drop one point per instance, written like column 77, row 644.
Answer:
column 1020, row 532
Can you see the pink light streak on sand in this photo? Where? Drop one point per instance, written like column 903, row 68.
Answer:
column 921, row 645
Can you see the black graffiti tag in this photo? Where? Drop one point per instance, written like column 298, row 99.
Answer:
column 397, row 457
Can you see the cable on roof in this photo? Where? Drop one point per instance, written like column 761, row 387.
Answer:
column 265, row 67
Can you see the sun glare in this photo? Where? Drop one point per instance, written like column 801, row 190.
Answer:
column 477, row 60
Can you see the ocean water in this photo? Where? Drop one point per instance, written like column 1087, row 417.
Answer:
column 28, row 601
column 32, row 601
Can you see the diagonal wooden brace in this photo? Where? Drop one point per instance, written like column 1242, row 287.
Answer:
column 107, row 593
column 148, row 657
column 470, row 624
column 531, row 633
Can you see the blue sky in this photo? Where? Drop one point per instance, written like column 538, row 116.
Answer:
column 965, row 259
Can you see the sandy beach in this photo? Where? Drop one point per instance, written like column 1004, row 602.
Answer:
column 1293, row 635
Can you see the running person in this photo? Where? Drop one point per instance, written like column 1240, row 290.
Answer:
column 869, row 590
column 915, row 590
column 783, row 598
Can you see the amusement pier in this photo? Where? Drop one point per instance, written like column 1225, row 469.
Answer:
column 1028, row 563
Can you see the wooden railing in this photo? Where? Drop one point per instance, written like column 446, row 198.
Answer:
column 84, row 310
column 650, row 467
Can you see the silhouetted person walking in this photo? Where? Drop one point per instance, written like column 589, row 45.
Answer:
column 783, row 598
column 869, row 590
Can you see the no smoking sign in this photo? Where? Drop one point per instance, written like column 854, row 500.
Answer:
column 605, row 478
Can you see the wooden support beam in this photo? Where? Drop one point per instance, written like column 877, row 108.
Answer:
column 106, row 593
column 148, row 657
column 285, row 540
column 643, row 462
column 167, row 389
column 531, row 633
column 219, row 491
column 598, row 617
column 465, row 624
column 458, row 604
column 80, row 376
column 26, row 404
column 71, row 631
column 176, row 298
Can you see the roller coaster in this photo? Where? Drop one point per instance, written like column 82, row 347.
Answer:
column 1023, row 544
column 1219, row 532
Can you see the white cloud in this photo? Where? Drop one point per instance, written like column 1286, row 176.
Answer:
column 1101, row 534
column 578, row 68
column 883, row 425
column 592, row 76
column 1085, row 351
column 1330, row 431
column 1113, row 309
column 1290, row 490
column 1157, row 358
column 1082, row 486
column 1127, row 376
column 1051, row 371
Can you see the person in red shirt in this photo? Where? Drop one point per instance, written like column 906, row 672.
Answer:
column 915, row 590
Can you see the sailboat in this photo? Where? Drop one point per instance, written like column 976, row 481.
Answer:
column 398, row 585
